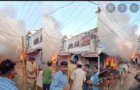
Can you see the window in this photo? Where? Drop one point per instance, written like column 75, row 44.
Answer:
column 36, row 41
column 70, row 45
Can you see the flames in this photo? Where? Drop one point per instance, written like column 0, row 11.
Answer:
column 110, row 61
column 54, row 58
column 133, row 54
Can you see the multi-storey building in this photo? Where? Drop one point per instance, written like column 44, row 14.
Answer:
column 83, row 47
column 34, row 45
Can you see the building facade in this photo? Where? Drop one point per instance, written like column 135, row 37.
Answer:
column 34, row 45
column 83, row 47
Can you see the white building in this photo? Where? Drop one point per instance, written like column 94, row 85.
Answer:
column 83, row 47
column 34, row 45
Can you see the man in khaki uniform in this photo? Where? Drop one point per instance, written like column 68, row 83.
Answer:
column 78, row 77
column 31, row 73
column 72, row 67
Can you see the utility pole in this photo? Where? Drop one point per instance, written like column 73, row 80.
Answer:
column 23, row 52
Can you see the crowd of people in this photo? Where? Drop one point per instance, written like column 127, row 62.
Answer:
column 44, row 79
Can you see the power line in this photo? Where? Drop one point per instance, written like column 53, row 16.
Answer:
column 7, row 38
column 73, row 12
column 76, row 16
column 109, row 18
column 26, row 13
column 64, row 14
column 21, row 13
column 112, row 22
column 111, row 30
column 36, row 21
column 50, row 42
column 93, row 2
column 8, row 33
column 58, row 9
column 32, row 12
column 50, row 29
column 7, row 24
column 84, row 24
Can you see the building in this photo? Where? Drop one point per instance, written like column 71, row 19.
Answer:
column 83, row 47
column 34, row 45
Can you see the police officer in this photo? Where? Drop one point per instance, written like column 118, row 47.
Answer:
column 31, row 69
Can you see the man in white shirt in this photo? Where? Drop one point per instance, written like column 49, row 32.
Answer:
column 39, row 80
column 78, row 77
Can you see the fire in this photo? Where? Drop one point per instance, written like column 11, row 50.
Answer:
column 110, row 61
column 133, row 54
column 54, row 59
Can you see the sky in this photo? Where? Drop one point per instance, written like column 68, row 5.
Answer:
column 75, row 18
column 72, row 22
column 32, row 22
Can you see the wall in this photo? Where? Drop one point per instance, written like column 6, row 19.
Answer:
column 36, row 56
column 88, row 46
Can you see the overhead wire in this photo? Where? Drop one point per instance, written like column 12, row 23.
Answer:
column 75, row 16
column 120, row 30
column 49, row 29
column 93, row 2
column 110, row 20
column 125, row 27
column 8, row 27
column 21, row 13
column 32, row 12
column 36, row 22
column 64, row 14
column 72, row 12
column 58, row 9
column 84, row 24
column 26, row 13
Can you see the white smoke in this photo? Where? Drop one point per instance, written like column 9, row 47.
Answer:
column 119, row 42
column 51, row 38
column 9, row 33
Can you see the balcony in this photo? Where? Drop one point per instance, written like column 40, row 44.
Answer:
column 33, row 48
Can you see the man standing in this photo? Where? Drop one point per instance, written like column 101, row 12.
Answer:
column 31, row 73
column 88, row 77
column 59, row 80
column 7, row 73
column 39, row 80
column 47, row 76
column 78, row 77
column 94, row 80
column 72, row 67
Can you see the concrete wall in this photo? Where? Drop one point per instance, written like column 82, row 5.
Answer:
column 36, row 56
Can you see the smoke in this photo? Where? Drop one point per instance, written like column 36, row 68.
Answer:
column 51, row 35
column 10, row 45
column 119, row 41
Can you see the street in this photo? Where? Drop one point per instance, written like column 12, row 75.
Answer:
column 130, row 84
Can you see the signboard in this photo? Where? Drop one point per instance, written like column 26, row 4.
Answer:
column 85, row 41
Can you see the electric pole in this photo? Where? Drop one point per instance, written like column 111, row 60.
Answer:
column 23, row 52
